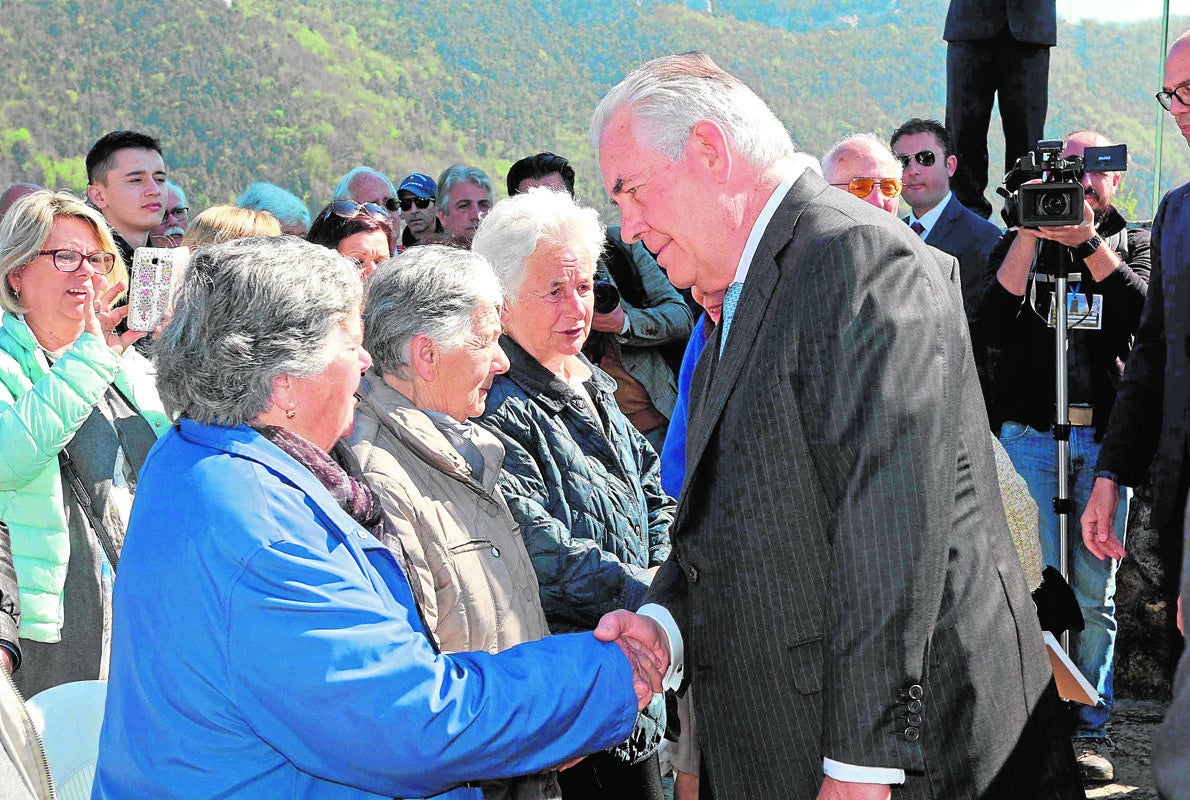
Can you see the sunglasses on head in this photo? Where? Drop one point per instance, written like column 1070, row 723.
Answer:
column 924, row 157
column 421, row 202
column 862, row 187
column 348, row 209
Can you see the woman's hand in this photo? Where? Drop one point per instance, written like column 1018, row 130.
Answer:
column 101, row 319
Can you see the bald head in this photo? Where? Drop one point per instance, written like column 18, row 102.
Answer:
column 14, row 193
column 862, row 155
column 1177, row 82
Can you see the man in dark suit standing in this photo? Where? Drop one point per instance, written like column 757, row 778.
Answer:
column 843, row 588
column 936, row 215
column 996, row 48
column 1149, row 423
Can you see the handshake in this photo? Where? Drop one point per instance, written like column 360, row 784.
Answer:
column 644, row 644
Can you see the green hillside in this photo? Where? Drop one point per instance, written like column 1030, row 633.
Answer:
column 297, row 93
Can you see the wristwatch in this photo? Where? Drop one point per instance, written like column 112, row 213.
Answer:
column 1088, row 248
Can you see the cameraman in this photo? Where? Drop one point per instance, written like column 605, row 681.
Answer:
column 1110, row 271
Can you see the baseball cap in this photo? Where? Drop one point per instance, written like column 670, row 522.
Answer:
column 421, row 185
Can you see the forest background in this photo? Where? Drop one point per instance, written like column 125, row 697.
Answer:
column 297, row 93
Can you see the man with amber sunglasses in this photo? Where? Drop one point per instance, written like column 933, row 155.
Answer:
column 863, row 165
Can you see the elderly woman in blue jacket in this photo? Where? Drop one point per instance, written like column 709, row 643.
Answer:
column 78, row 414
column 267, row 643
column 583, row 483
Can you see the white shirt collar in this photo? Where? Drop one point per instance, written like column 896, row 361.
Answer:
column 930, row 218
column 801, row 164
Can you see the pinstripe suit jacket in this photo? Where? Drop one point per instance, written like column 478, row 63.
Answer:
column 842, row 571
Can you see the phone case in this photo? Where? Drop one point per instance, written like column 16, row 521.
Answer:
column 154, row 273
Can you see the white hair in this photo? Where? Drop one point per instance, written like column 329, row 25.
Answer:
column 866, row 143
column 671, row 94
column 514, row 228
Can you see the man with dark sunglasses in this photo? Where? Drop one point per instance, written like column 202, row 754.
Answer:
column 923, row 146
column 417, row 197
column 863, row 165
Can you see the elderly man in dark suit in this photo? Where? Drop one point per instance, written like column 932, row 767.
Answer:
column 996, row 49
column 1149, row 422
column 843, row 589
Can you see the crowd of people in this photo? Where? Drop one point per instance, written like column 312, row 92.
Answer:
column 437, row 494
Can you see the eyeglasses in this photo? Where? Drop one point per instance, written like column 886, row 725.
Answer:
column 347, row 209
column 862, row 187
column 421, row 202
column 178, row 212
column 1166, row 98
column 924, row 157
column 101, row 261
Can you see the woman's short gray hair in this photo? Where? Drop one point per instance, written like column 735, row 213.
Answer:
column 514, row 228
column 432, row 290
column 246, row 312
column 27, row 225
column 671, row 94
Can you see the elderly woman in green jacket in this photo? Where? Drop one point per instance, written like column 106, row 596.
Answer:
column 78, row 414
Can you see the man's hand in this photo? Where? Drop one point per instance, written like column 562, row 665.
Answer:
column 644, row 644
column 6, row 660
column 842, row 790
column 1070, row 235
column 611, row 322
column 1099, row 534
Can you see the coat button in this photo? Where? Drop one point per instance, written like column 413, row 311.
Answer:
column 914, row 706
column 914, row 719
column 692, row 573
column 361, row 534
column 912, row 734
column 915, row 692
column 495, row 551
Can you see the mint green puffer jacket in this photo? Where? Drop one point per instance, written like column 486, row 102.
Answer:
column 40, row 411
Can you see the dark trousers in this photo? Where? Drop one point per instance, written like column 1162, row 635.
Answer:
column 601, row 777
column 976, row 72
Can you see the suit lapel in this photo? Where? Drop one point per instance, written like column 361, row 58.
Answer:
column 716, row 376
column 939, row 234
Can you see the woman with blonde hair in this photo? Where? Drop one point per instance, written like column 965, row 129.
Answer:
column 78, row 414
column 220, row 224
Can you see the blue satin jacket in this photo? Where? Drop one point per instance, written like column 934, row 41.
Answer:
column 265, row 645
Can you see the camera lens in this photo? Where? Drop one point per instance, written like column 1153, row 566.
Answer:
column 1053, row 204
column 607, row 297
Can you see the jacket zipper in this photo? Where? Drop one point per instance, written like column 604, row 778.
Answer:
column 42, row 762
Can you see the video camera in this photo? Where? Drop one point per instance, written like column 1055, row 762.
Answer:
column 1058, row 198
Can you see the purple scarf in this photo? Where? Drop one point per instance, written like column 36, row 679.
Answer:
column 338, row 471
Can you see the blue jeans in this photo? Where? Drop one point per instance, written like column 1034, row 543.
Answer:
column 1035, row 456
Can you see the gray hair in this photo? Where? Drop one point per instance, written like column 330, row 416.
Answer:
column 868, row 143
column 462, row 174
column 344, row 190
column 246, row 312
column 671, row 94
column 27, row 225
column 432, row 290
column 173, row 187
column 513, row 229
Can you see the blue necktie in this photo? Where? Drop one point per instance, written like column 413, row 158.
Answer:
column 730, row 298
column 917, row 228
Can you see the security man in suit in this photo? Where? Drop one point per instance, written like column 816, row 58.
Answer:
column 996, row 49
column 1108, row 281
column 1149, row 424
column 843, row 589
column 927, row 157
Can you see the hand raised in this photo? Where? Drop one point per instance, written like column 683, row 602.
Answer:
column 101, row 319
column 644, row 644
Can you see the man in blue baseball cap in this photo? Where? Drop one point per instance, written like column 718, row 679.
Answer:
column 417, row 196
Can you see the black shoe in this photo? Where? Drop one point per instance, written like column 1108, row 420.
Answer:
column 1093, row 764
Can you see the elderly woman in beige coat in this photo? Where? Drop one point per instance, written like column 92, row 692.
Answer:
column 432, row 325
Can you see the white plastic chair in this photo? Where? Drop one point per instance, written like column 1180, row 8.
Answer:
column 69, row 717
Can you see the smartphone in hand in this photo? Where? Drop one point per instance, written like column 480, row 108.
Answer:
column 155, row 271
